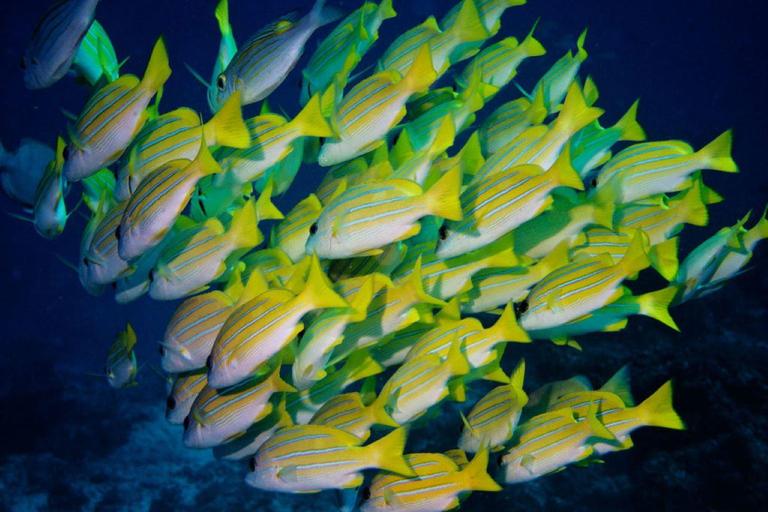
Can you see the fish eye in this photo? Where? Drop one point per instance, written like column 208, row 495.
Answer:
column 209, row 363
column 186, row 423
column 443, row 232
column 321, row 141
column 114, row 285
column 252, row 464
column 313, row 229
column 161, row 349
column 65, row 153
column 594, row 182
column 367, row 493
column 499, row 462
column 171, row 403
column 117, row 233
column 221, row 82
column 152, row 276
column 85, row 262
column 23, row 63
column 521, row 308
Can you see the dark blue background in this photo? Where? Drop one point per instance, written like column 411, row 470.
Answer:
column 699, row 67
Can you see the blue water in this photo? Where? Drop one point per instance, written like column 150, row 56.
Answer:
column 70, row 443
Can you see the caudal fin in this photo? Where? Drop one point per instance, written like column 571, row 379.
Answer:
column 227, row 127
column 576, row 114
column 664, row 258
column 636, row 257
column 468, row 26
column 244, row 231
column 387, row 453
column 694, row 209
column 422, row 72
column 628, row 126
column 310, row 121
column 531, row 46
column 563, row 173
column 657, row 410
column 322, row 15
column 619, row 385
column 443, row 197
column 317, row 292
column 475, row 474
column 158, row 71
column 507, row 327
column 656, row 305
column 717, row 154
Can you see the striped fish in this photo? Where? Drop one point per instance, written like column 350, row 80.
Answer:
column 159, row 200
column 560, row 77
column 102, row 262
column 271, row 138
column 543, row 146
column 372, row 108
column 581, row 287
column 246, row 445
column 291, row 234
column 219, row 414
column 550, row 442
column 384, row 263
column 540, row 400
column 263, row 326
column 55, row 41
column 227, row 51
column 186, row 387
column 121, row 365
column 563, row 223
column 351, row 224
column 734, row 261
column 176, row 136
column 312, row 458
column 49, row 215
column 497, row 204
column 493, row 419
column 348, row 412
column 340, row 52
column 112, row 117
column 493, row 288
column 490, row 12
column 85, row 243
column 440, row 484
column 468, row 28
column 96, row 58
column 651, row 168
column 509, row 121
column 273, row 264
column 615, row 393
column 423, row 382
column 498, row 63
column 262, row 63
column 415, row 164
column 393, row 349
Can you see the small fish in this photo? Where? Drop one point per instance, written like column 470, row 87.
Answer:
column 50, row 211
column 373, row 107
column 102, row 263
column 441, row 484
column 509, row 121
column 96, row 58
column 22, row 170
column 291, row 234
column 350, row 413
column 227, row 51
column 542, row 399
column 560, row 77
column 497, row 204
column 351, row 223
column 650, row 168
column 263, row 326
column 263, row 63
column 219, row 414
column 245, row 445
column 186, row 387
column 176, row 136
column 112, row 117
column 416, row 165
column 159, row 200
column 312, row 458
column 85, row 243
column 273, row 264
column 493, row 419
column 55, row 41
column 121, row 365
column 490, row 13
column 580, row 288
column 393, row 349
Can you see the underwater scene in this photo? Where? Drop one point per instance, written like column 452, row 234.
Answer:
column 384, row 255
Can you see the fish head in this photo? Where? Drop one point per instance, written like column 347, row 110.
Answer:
column 335, row 151
column 175, row 359
column 444, row 248
column 194, row 432
column 122, row 375
column 79, row 163
column 261, row 475
column 223, row 371
column 225, row 86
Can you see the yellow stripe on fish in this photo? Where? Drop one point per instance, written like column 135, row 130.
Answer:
column 292, row 233
column 348, row 412
column 186, row 387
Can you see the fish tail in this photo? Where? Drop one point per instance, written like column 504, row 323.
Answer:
column 581, row 54
column 457, row 360
column 468, row 26
column 265, row 208
column 227, row 127
column 422, row 73
column 694, row 209
column 322, row 15
column 445, row 136
column 657, row 409
column 472, row 155
column 476, row 477
column 158, row 71
column 628, row 126
column 761, row 228
column 387, row 453
column 204, row 163
column 278, row 384
column 559, row 257
column 563, row 173
column 317, row 292
column 656, row 305
column 597, row 430
column 417, row 287
column 619, row 385
column 244, row 231
column 517, row 379
column 664, row 258
column 717, row 154
column 379, row 413
column 222, row 16
column 576, row 113
column 603, row 216
column 537, row 112
column 531, row 46
column 442, row 198
column 508, row 327
column 636, row 258
column 386, row 10
column 310, row 121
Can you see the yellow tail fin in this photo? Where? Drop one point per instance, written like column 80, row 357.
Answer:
column 457, row 360
column 576, row 114
column 717, row 154
column 422, row 73
column 531, row 46
column 317, row 292
column 620, row 385
column 694, row 210
column 386, row 11
column 656, row 305
column 517, row 379
column 227, row 127
column 468, row 26
column 379, row 414
column 476, row 477
column 443, row 197
column 204, row 164
column 310, row 121
column 416, row 286
column 636, row 258
column 563, row 172
column 244, row 231
column 664, row 258
column 657, row 410
column 387, row 453
column 603, row 215
column 158, row 71
column 507, row 327
column 265, row 209
column 445, row 136
column 629, row 127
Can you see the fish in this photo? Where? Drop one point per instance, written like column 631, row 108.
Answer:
column 176, row 136
column 509, row 121
column 102, row 263
column 82, row 264
column 273, row 264
column 312, row 458
column 94, row 187
column 246, row 444
column 492, row 288
column 372, row 108
column 131, row 286
column 351, row 223
column 556, row 82
column 186, row 386
column 468, row 28
column 227, row 51
column 493, row 419
column 263, row 326
column 95, row 59
column 112, row 117
column 647, row 169
column 440, row 484
column 291, row 234
column 50, row 211
column 121, row 367
column 496, row 205
column 22, row 170
column 490, row 12
column 159, row 200
column 55, row 40
column 580, row 288
column 542, row 399
column 416, row 165
column 219, row 414
column 349, row 412
column 264, row 61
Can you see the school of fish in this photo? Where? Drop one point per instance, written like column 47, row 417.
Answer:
column 313, row 349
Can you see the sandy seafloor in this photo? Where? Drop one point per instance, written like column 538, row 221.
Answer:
column 68, row 442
